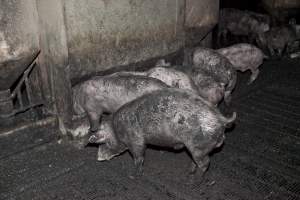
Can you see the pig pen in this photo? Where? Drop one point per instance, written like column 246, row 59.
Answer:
column 260, row 157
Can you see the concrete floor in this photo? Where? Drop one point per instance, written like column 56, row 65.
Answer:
column 260, row 158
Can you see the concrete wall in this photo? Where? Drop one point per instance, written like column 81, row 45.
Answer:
column 79, row 38
column 102, row 33
column 18, row 38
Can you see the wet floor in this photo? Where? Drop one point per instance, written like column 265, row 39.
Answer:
column 260, row 158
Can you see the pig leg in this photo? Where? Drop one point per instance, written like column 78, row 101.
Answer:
column 94, row 118
column 271, row 50
column 229, row 88
column 200, row 161
column 227, row 97
column 137, row 152
column 253, row 76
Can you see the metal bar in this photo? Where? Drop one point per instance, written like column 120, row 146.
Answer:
column 21, row 110
column 19, row 96
column 28, row 90
column 25, row 73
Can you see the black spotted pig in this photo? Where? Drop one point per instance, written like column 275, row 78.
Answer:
column 244, row 57
column 168, row 118
column 242, row 23
column 216, row 65
column 105, row 94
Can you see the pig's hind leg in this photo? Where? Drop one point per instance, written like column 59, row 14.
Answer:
column 137, row 151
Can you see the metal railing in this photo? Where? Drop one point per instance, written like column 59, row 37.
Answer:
column 16, row 95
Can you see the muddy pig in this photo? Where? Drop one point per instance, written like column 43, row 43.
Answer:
column 170, row 76
column 216, row 65
column 241, row 23
column 279, row 39
column 105, row 94
column 207, row 86
column 170, row 117
column 244, row 57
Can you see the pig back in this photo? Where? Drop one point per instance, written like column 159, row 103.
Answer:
column 243, row 56
column 213, row 63
column 110, row 92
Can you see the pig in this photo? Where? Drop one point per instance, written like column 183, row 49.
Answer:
column 242, row 23
column 105, row 94
column 244, row 57
column 279, row 39
column 208, row 88
column 170, row 76
column 170, row 117
column 216, row 65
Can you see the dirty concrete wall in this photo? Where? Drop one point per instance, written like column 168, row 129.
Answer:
column 79, row 38
column 200, row 18
column 102, row 33
column 18, row 38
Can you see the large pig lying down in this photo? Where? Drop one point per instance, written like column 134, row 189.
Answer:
column 214, row 64
column 169, row 118
column 244, row 57
column 105, row 94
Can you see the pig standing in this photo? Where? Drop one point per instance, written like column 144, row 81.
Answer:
column 105, row 94
column 242, row 23
column 244, row 57
column 279, row 39
column 208, row 88
column 216, row 65
column 169, row 118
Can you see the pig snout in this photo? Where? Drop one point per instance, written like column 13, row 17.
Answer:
column 97, row 138
column 93, row 139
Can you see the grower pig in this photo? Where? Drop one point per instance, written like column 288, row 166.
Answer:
column 279, row 39
column 107, row 93
column 207, row 86
column 169, row 118
column 244, row 57
column 216, row 65
column 169, row 76
column 241, row 23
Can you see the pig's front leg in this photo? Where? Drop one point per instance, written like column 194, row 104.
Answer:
column 227, row 97
column 254, row 74
column 94, row 118
column 271, row 51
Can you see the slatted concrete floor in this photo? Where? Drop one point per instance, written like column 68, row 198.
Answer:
column 260, row 159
